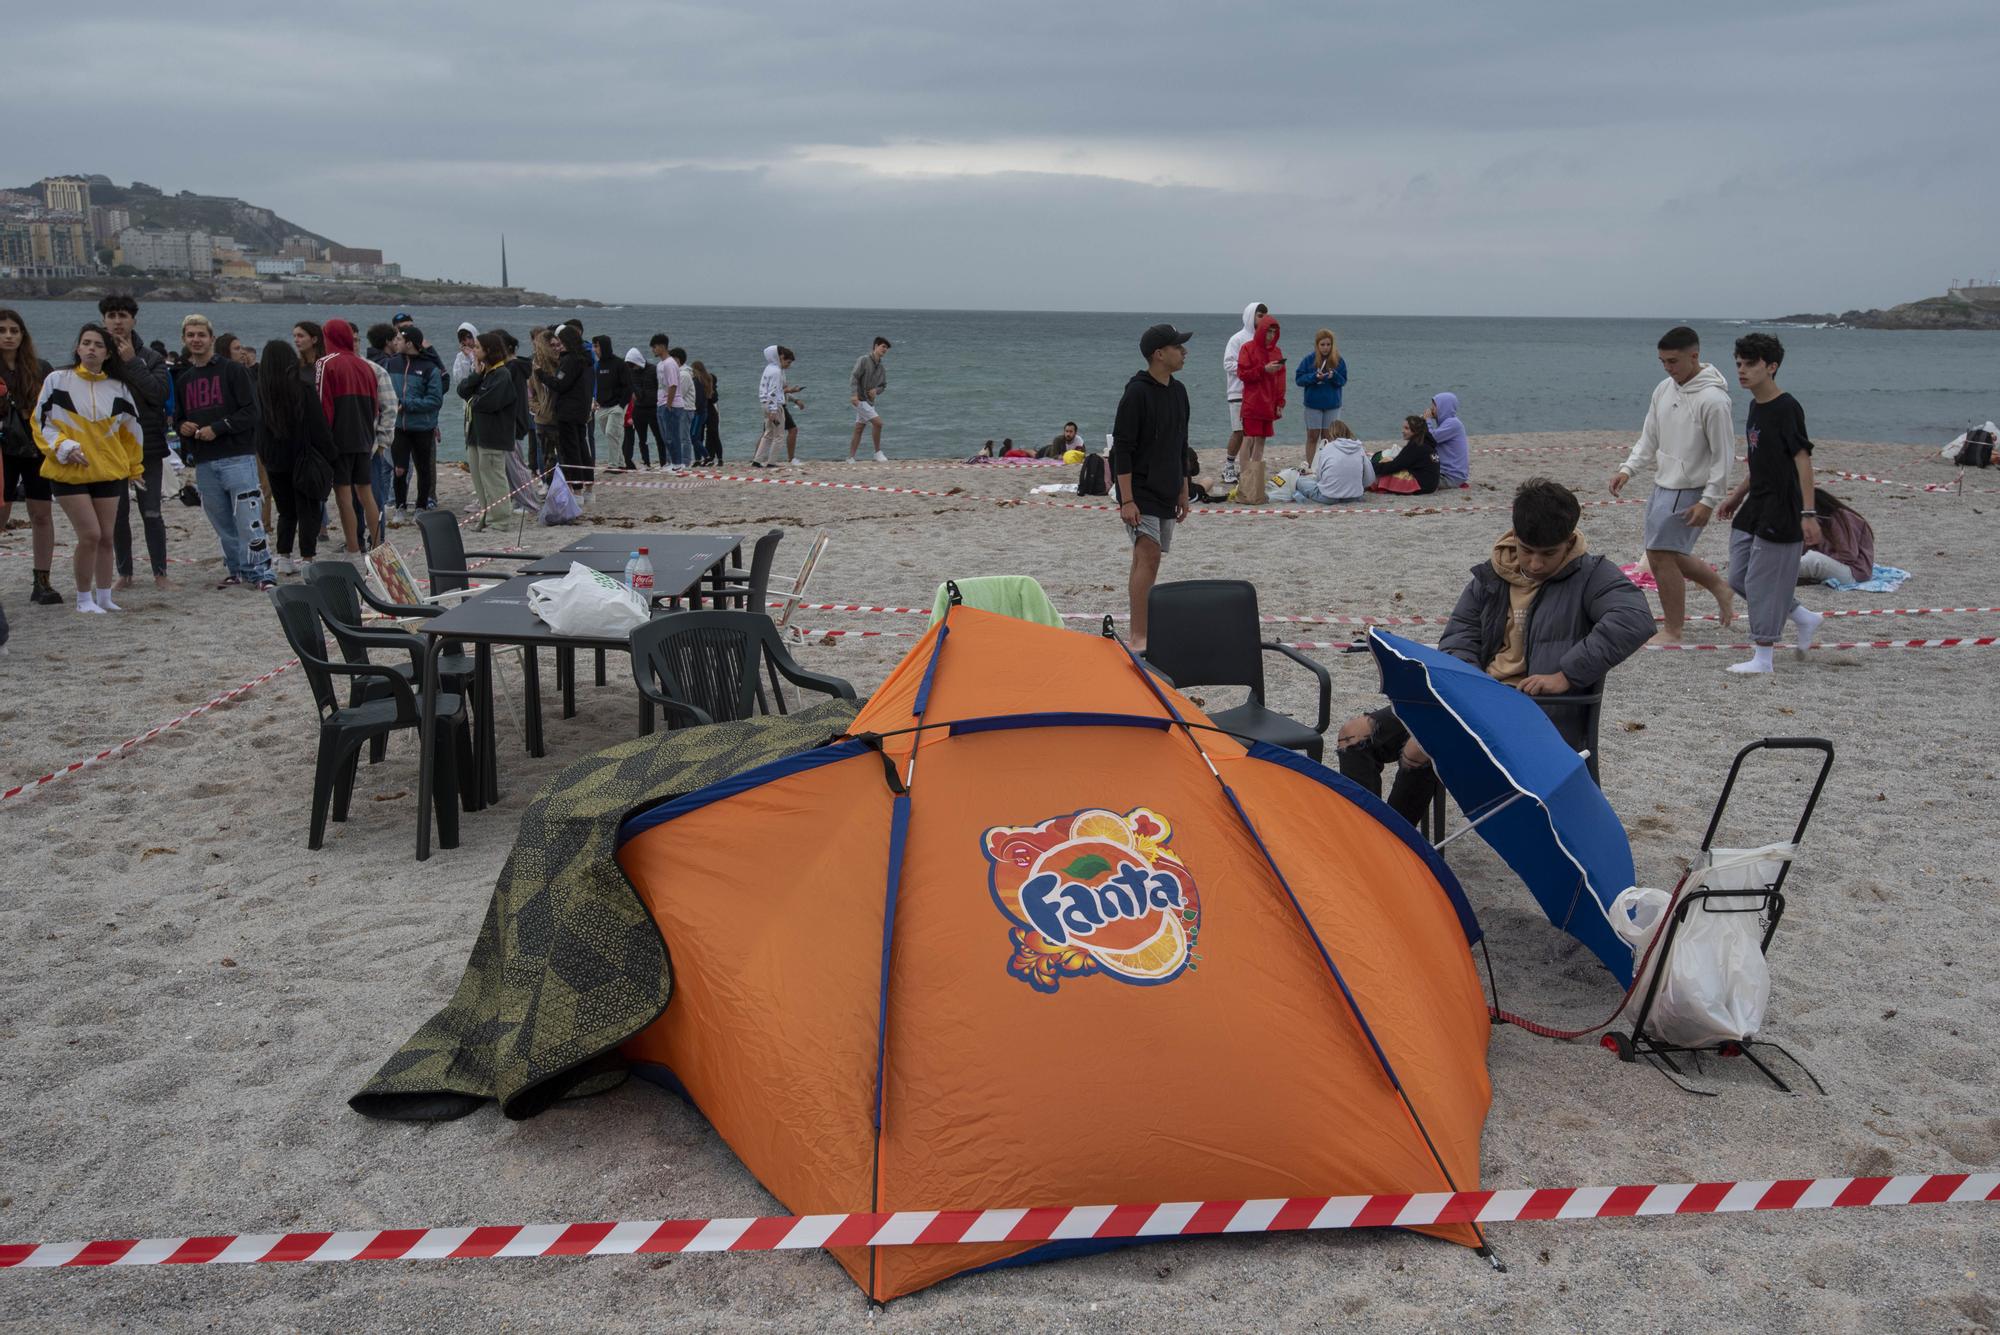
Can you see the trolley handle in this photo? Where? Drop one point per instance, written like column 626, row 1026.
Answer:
column 1819, row 744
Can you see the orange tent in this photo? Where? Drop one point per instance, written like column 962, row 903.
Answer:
column 983, row 954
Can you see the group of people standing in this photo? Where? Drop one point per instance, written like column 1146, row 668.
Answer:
column 1435, row 449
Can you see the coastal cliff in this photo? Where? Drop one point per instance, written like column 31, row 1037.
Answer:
column 1960, row 308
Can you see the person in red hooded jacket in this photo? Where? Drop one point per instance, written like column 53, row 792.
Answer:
column 1260, row 365
column 347, row 395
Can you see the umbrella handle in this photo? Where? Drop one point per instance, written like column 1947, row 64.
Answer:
column 1470, row 826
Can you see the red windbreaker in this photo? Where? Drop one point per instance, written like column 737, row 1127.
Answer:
column 347, row 391
column 1263, row 391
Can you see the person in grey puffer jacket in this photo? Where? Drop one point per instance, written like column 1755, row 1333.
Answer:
column 1543, row 614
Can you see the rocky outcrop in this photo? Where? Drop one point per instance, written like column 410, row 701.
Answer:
column 246, row 290
column 1948, row 312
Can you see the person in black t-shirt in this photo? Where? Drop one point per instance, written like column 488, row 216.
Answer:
column 1149, row 448
column 1773, row 518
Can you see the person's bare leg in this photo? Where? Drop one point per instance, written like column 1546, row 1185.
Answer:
column 83, row 556
column 854, row 445
column 876, row 427
column 107, row 518
column 1145, row 570
column 1666, row 568
column 364, row 497
column 1235, row 444
column 1702, row 573
column 344, row 498
column 791, row 445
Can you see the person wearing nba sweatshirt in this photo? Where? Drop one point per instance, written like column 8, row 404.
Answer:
column 215, row 425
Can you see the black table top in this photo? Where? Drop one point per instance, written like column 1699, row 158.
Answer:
column 500, row 614
column 679, row 559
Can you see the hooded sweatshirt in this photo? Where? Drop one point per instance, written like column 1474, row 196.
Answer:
column 217, row 395
column 771, row 384
column 1232, row 383
column 1149, row 440
column 1510, row 664
column 1322, row 386
column 96, row 412
column 1342, row 469
column 1688, row 437
column 1263, row 391
column 1454, row 450
column 569, row 387
column 347, row 391
column 419, row 385
column 463, row 364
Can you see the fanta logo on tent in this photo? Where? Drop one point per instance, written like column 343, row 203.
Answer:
column 1094, row 892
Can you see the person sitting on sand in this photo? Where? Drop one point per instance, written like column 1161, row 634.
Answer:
column 1412, row 470
column 1454, row 451
column 1008, row 450
column 1846, row 546
column 1543, row 614
column 1065, row 441
column 1341, row 470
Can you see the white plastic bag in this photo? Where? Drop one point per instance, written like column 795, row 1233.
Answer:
column 559, row 506
column 587, row 602
column 1284, row 485
column 1716, row 983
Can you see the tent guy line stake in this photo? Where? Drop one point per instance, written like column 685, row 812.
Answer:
column 922, row 1228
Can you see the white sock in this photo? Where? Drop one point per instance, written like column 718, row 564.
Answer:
column 1807, row 622
column 84, row 603
column 1761, row 662
column 104, row 603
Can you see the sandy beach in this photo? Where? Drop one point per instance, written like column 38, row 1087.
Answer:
column 193, row 995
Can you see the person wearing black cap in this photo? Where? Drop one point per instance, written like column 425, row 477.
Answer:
column 1149, row 444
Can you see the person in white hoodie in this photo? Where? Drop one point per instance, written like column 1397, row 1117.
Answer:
column 1341, row 469
column 1688, row 439
column 1233, row 386
column 771, row 398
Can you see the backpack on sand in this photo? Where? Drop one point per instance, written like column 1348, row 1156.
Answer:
column 1095, row 479
column 1977, row 452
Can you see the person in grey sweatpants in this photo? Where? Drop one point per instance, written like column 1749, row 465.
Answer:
column 1772, row 506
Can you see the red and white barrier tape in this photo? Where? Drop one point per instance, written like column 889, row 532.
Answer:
column 919, row 1228
column 77, row 766
column 1845, row 476
column 1950, row 642
column 1411, row 510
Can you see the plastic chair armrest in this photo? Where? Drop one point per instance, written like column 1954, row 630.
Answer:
column 818, row 681
column 1318, row 669
column 406, row 697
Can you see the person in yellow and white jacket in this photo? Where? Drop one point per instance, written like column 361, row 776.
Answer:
column 87, row 426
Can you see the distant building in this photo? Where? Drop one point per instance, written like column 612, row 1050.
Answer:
column 44, row 247
column 107, row 222
column 66, row 194
column 353, row 255
column 175, row 252
column 278, row 267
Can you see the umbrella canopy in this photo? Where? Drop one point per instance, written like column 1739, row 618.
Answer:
column 1508, row 768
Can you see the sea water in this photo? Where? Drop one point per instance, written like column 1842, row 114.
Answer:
column 959, row 378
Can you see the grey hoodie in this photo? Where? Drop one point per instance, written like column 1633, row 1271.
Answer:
column 1341, row 469
column 462, row 364
column 1688, row 436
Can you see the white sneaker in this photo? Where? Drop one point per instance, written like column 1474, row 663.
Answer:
column 1231, row 475
column 881, row 458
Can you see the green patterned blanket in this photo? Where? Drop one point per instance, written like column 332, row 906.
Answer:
column 569, row 963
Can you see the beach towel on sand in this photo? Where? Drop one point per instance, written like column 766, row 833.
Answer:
column 1886, row 579
column 1017, row 596
column 569, row 963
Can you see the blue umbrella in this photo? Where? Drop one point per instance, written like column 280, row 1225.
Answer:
column 1526, row 791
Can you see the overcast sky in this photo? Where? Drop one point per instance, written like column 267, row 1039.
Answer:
column 1533, row 157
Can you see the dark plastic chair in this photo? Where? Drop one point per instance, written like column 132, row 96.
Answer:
column 341, row 585
column 448, row 561
column 752, row 591
column 1205, row 632
column 302, row 612
column 702, row 667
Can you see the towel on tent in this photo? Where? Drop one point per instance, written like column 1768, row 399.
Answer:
column 1886, row 579
column 1016, row 596
column 569, row 963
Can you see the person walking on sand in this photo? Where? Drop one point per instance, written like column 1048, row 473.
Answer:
column 1232, row 385
column 771, row 398
column 866, row 385
column 1321, row 377
column 1260, row 365
column 215, row 407
column 87, row 428
column 1149, row 449
column 1775, row 518
column 145, row 374
column 21, row 376
column 1688, row 438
